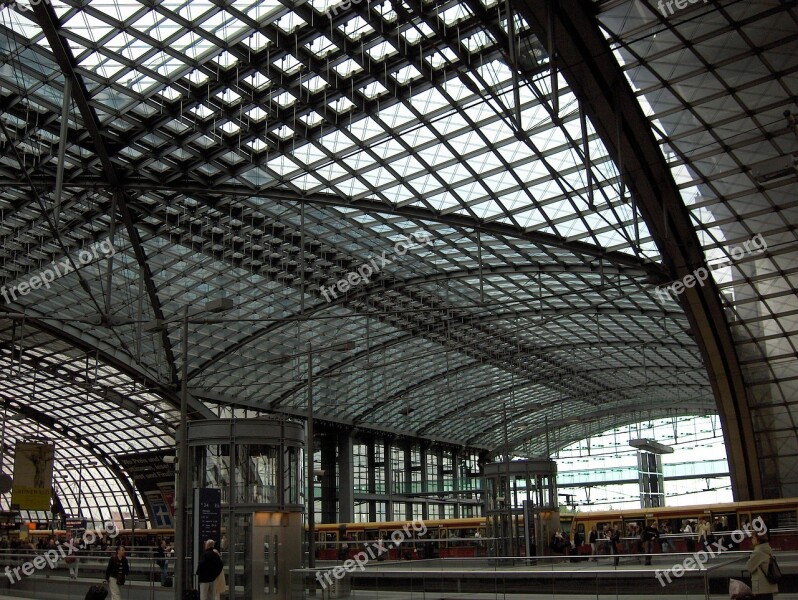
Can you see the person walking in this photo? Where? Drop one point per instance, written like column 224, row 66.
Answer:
column 116, row 572
column 208, row 569
column 757, row 565
column 160, row 559
column 593, row 539
column 72, row 560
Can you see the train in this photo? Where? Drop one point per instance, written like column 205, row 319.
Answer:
column 471, row 537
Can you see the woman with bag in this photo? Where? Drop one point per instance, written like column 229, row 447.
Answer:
column 758, row 564
column 116, row 572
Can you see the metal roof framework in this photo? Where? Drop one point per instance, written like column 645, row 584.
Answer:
column 265, row 151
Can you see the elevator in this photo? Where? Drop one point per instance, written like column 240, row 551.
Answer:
column 256, row 467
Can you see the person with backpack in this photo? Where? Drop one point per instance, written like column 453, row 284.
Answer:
column 761, row 565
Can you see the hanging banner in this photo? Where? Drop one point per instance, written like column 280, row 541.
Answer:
column 33, row 476
column 155, row 479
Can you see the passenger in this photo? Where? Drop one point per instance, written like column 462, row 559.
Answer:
column 593, row 540
column 704, row 534
column 116, row 572
column 209, row 568
column 757, row 565
column 687, row 530
column 72, row 560
column 650, row 533
column 615, row 543
column 160, row 559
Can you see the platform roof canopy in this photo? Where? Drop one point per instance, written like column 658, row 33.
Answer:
column 265, row 151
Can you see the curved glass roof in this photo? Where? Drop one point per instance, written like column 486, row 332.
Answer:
column 265, row 152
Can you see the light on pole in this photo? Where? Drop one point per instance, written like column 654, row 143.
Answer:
column 310, row 477
column 182, row 474
column 311, row 493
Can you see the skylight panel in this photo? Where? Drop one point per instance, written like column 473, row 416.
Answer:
column 336, row 141
column 256, row 114
column 416, row 32
column 373, row 90
column 341, row 105
column 281, row 165
column 440, row 59
column 230, row 127
column 290, row 22
column 321, row 46
column 226, row 59
column 197, row 77
column 168, row 66
column 284, row 100
column 311, row 119
column 356, row 28
column 406, row 74
column 88, row 26
column 194, row 46
column 306, row 182
column 202, row 111
column 381, row 50
column 283, row 132
column 428, row 101
column 229, row 96
column 257, row 41
column 478, row 41
column 455, row 14
column 365, row 129
column 347, row 67
column 289, row 64
column 257, row 144
column 257, row 80
column 315, row 84
column 224, row 25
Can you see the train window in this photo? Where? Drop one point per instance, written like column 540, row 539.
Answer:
column 778, row 520
column 724, row 521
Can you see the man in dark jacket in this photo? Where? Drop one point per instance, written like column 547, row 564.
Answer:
column 650, row 533
column 209, row 567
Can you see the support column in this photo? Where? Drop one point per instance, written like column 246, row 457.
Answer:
column 346, row 478
column 456, row 482
column 408, row 479
column 372, row 467
column 329, row 488
column 389, row 516
column 424, row 482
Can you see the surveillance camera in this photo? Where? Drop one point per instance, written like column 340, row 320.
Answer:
column 170, row 460
column 319, row 473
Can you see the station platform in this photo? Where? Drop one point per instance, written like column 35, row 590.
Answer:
column 538, row 579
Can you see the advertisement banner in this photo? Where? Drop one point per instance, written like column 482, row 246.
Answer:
column 155, row 480
column 33, row 476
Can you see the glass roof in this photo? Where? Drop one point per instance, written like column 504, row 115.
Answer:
column 266, row 151
column 718, row 81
